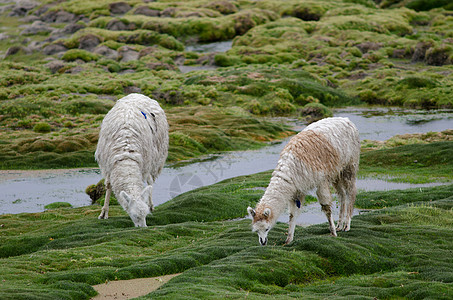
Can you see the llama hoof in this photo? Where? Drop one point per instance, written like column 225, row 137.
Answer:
column 341, row 227
column 103, row 216
column 288, row 241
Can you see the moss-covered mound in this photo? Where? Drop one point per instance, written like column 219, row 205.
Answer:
column 194, row 131
column 412, row 162
column 64, row 62
column 59, row 253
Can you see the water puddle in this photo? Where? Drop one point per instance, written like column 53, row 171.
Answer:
column 205, row 48
column 187, row 69
column 210, row 47
column 30, row 191
column 380, row 124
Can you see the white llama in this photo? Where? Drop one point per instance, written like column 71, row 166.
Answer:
column 131, row 151
column 324, row 153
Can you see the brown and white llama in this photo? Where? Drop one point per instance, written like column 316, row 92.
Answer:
column 324, row 153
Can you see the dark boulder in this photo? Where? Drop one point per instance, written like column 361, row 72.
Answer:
column 37, row 27
column 146, row 11
column 54, row 49
column 420, row 51
column 127, row 54
column 119, row 7
column 223, row 7
column 22, row 8
column 116, row 25
column 55, row 66
column 367, row 46
column 89, row 42
column 106, row 51
column 438, row 56
column 73, row 28
column 14, row 50
column 59, row 16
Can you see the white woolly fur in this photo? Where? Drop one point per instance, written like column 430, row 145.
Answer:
column 324, row 153
column 131, row 152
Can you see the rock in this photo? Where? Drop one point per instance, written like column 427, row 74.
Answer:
column 168, row 12
column 127, row 54
column 65, row 17
column 399, row 53
column 38, row 27
column 89, row 42
column 127, row 71
column 5, row 8
column 59, row 16
column 72, row 28
column 55, row 65
column 116, row 25
column 146, row 11
column 132, row 89
column 4, row 36
column 223, row 7
column 438, row 56
column 420, row 51
column 54, row 36
column 119, row 8
column 14, row 50
column 367, row 46
column 158, row 66
column 29, row 19
column 34, row 46
column 106, row 51
column 147, row 51
column 54, row 49
column 76, row 69
column 22, row 8
column 42, row 10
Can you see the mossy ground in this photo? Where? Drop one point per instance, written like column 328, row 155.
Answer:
column 194, row 131
column 284, row 56
column 402, row 251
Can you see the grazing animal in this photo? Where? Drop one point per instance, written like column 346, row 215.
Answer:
column 131, row 151
column 324, row 153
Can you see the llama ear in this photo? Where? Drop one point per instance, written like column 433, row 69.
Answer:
column 267, row 212
column 251, row 211
column 126, row 197
column 147, row 191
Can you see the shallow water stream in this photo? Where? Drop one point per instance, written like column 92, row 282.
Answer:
column 30, row 191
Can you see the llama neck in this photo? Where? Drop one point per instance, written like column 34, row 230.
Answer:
column 277, row 195
column 126, row 176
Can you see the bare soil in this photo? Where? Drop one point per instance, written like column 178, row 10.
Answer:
column 127, row 289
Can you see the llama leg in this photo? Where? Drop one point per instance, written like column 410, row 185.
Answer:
column 325, row 199
column 343, row 202
column 349, row 180
column 294, row 212
column 105, row 209
column 352, row 192
column 150, row 182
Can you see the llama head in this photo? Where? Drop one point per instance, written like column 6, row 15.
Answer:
column 136, row 208
column 261, row 223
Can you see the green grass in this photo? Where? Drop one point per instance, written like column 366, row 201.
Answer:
column 383, row 199
column 413, row 162
column 60, row 253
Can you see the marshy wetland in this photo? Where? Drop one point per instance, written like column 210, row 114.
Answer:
column 236, row 79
